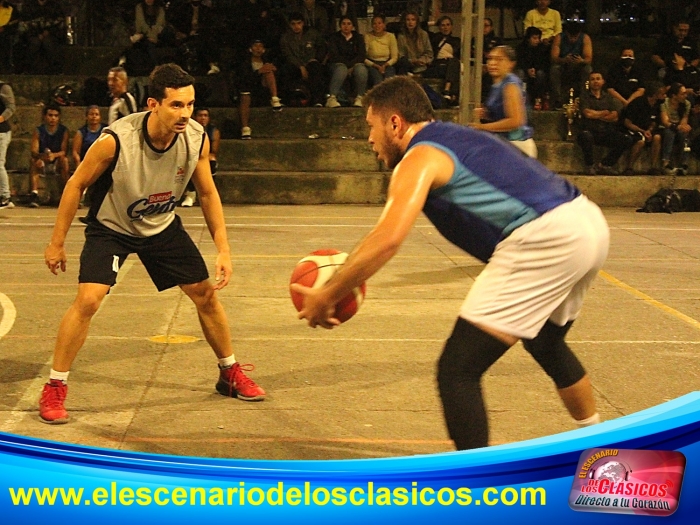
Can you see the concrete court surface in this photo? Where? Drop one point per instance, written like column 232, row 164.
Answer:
column 365, row 389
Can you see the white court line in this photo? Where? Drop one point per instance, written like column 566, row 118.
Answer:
column 9, row 314
column 165, row 330
column 371, row 222
column 30, row 395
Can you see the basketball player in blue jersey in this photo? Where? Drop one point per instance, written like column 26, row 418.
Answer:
column 542, row 241
column 140, row 167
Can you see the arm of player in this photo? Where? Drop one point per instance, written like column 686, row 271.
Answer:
column 77, row 144
column 213, row 212
column 96, row 161
column 422, row 169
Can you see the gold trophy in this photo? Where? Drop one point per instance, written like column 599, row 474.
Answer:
column 571, row 112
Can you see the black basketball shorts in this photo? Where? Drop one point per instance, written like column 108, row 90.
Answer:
column 170, row 257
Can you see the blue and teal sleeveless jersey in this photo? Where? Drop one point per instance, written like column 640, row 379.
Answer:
column 494, row 188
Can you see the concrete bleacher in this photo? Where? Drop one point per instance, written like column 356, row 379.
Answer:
column 283, row 165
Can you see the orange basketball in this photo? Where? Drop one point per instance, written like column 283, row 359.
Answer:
column 315, row 270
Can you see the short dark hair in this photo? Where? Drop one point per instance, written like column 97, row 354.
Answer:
column 295, row 16
column 652, row 86
column 532, row 31
column 201, row 108
column 674, row 89
column 400, row 95
column 168, row 76
column 443, row 18
column 50, row 107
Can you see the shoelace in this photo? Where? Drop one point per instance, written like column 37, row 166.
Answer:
column 240, row 378
column 53, row 396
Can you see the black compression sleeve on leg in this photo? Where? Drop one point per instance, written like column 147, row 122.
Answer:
column 468, row 353
column 554, row 356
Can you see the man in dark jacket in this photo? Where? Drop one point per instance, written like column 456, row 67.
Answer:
column 304, row 52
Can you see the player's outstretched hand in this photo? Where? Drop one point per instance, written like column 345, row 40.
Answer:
column 224, row 270
column 317, row 310
column 55, row 257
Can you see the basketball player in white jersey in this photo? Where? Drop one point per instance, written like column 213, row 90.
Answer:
column 140, row 167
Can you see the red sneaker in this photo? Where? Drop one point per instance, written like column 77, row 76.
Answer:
column 51, row 409
column 234, row 383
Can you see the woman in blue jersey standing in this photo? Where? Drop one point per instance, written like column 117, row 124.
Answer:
column 505, row 113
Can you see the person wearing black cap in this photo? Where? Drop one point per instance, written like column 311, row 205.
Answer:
column 257, row 85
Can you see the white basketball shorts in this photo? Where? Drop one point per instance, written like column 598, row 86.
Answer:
column 541, row 271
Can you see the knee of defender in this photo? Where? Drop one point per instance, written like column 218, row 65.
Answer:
column 87, row 305
column 204, row 297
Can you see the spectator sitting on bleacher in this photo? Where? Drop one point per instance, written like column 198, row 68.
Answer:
column 679, row 42
column 149, row 22
column 600, row 113
column 446, row 65
column 641, row 118
column 194, row 24
column 43, row 24
column 533, row 64
column 346, row 56
column 675, row 112
column 415, row 50
column 624, row 78
column 545, row 19
column 504, row 113
column 571, row 56
column 382, row 51
column 49, row 151
column 257, row 85
column 304, row 52
column 683, row 73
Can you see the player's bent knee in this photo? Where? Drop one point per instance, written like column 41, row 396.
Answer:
column 201, row 293
column 88, row 301
column 554, row 356
column 468, row 353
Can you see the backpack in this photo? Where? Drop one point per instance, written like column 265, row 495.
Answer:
column 670, row 201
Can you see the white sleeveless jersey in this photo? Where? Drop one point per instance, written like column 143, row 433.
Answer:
column 138, row 193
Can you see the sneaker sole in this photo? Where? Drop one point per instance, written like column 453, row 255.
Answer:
column 61, row 421
column 222, row 388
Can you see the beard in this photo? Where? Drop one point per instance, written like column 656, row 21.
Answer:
column 393, row 154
